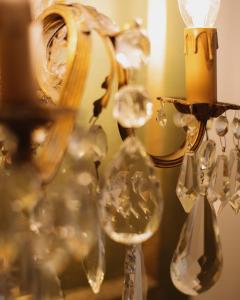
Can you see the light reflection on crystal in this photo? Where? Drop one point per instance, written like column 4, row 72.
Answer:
column 135, row 279
column 162, row 118
column 131, row 200
column 222, row 126
column 197, row 261
column 94, row 263
column 219, row 184
column 187, row 183
column 234, row 186
column 205, row 161
column 132, row 48
column 133, row 107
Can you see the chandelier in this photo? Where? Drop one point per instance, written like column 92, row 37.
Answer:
column 56, row 206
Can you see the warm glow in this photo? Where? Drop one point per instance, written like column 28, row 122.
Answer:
column 199, row 13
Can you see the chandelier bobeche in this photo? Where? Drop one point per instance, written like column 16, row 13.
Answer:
column 55, row 207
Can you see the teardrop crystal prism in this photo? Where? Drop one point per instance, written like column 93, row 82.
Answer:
column 187, row 183
column 234, row 186
column 219, row 184
column 94, row 263
column 131, row 199
column 205, row 161
column 197, row 261
column 135, row 279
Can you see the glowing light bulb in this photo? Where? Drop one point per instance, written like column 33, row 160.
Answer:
column 199, row 13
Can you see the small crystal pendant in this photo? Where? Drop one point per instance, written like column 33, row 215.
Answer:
column 135, row 279
column 133, row 107
column 94, row 263
column 234, row 187
column 219, row 184
column 205, row 161
column 197, row 261
column 222, row 126
column 162, row 117
column 187, row 183
column 132, row 48
column 131, row 199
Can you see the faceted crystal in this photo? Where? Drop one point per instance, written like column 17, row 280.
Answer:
column 197, row 261
column 133, row 107
column 135, row 279
column 94, row 263
column 222, row 126
column 132, row 48
column 187, row 183
column 219, row 184
column 236, row 128
column 205, row 160
column 92, row 143
column 131, row 199
column 178, row 120
column 234, row 186
column 98, row 21
column 162, row 118
column 74, row 192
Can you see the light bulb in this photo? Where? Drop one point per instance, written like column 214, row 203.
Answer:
column 199, row 13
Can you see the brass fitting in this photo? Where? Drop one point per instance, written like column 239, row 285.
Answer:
column 200, row 49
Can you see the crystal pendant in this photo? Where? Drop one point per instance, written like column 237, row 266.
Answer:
column 178, row 120
column 133, row 108
column 132, row 48
column 222, row 125
column 162, row 118
column 131, row 199
column 236, row 128
column 187, row 183
column 94, row 263
column 135, row 279
column 197, row 261
column 234, row 186
column 219, row 184
column 74, row 192
column 205, row 161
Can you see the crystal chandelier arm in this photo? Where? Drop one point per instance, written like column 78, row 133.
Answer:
column 79, row 48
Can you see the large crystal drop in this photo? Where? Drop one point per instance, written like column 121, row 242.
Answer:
column 234, row 186
column 205, row 161
column 133, row 107
column 219, row 184
column 94, row 263
column 187, row 182
column 131, row 200
column 197, row 261
column 135, row 279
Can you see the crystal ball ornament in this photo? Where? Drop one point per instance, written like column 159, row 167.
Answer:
column 130, row 205
column 132, row 48
column 133, row 107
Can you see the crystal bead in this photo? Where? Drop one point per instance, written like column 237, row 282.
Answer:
column 219, row 184
column 236, row 128
column 197, row 261
column 92, row 143
column 133, row 108
column 187, row 184
column 94, row 263
column 98, row 21
column 132, row 48
column 162, row 118
column 205, row 161
column 234, row 186
column 131, row 199
column 135, row 279
column 178, row 120
column 222, row 126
